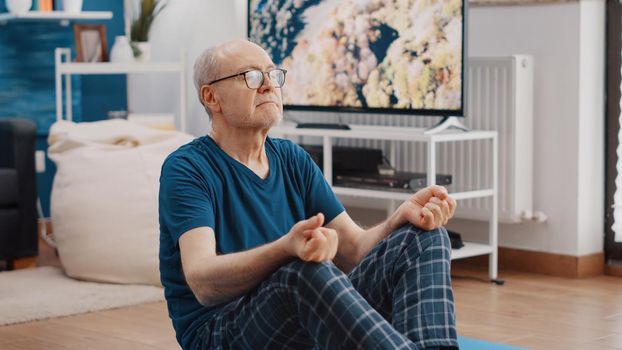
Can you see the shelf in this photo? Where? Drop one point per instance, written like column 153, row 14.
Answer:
column 472, row 194
column 119, row 68
column 373, row 132
column 64, row 68
column 410, row 134
column 63, row 17
column 471, row 249
column 361, row 192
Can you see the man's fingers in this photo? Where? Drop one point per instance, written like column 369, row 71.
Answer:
column 332, row 242
column 427, row 219
column 446, row 211
column 313, row 244
column 307, row 234
column 438, row 192
column 321, row 244
column 424, row 195
column 316, row 240
column 437, row 213
column 329, row 248
column 312, row 222
column 311, row 247
column 449, row 207
column 444, row 204
column 436, row 210
column 452, row 205
column 311, row 234
column 320, row 219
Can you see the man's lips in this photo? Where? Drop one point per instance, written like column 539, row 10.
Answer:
column 263, row 103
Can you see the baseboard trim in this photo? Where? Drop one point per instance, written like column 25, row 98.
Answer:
column 591, row 265
column 544, row 263
column 25, row 263
column 613, row 270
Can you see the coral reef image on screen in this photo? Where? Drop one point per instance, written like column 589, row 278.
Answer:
column 396, row 54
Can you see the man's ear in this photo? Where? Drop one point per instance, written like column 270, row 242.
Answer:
column 209, row 98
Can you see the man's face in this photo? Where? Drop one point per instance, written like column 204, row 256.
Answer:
column 243, row 107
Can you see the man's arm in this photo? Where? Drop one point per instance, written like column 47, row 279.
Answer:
column 428, row 209
column 218, row 278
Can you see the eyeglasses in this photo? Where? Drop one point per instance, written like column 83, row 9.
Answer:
column 254, row 78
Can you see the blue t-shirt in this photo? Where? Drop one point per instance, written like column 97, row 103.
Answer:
column 201, row 185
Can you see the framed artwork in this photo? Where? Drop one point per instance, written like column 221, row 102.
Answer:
column 514, row 2
column 90, row 40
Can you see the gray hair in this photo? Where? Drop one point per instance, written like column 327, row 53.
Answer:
column 206, row 66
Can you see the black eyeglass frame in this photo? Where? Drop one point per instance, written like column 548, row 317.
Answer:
column 263, row 77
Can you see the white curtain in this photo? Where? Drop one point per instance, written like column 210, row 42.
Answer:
column 617, row 197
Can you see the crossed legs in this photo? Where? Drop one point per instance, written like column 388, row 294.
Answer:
column 398, row 297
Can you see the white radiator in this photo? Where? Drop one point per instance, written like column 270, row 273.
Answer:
column 499, row 97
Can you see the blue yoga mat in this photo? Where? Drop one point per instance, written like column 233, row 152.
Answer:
column 475, row 344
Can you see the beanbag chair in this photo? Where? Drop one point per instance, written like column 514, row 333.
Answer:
column 104, row 203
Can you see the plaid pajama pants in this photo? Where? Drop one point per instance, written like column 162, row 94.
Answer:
column 398, row 297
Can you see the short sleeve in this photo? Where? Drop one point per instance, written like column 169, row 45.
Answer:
column 319, row 196
column 185, row 200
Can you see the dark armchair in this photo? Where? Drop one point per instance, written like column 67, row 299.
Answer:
column 18, row 190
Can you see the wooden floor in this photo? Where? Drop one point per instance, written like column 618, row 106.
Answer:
column 541, row 312
column 532, row 311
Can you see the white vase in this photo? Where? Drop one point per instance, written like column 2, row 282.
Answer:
column 18, row 7
column 145, row 51
column 72, row 6
column 121, row 50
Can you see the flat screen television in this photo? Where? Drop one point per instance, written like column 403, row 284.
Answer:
column 378, row 56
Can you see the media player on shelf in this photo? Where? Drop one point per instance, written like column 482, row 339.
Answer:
column 400, row 181
column 347, row 159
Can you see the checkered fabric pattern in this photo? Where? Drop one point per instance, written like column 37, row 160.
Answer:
column 398, row 297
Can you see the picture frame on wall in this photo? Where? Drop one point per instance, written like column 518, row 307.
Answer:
column 513, row 2
column 90, row 41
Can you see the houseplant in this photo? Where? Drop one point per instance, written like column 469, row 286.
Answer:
column 148, row 11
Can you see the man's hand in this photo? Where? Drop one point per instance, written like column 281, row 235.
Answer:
column 428, row 209
column 309, row 241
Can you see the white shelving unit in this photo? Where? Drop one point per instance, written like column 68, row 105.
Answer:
column 61, row 16
column 66, row 68
column 404, row 134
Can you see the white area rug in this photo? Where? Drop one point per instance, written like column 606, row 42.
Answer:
column 45, row 292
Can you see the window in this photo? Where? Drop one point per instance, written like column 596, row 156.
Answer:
column 613, row 153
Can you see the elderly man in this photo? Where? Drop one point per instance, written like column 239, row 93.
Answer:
column 256, row 251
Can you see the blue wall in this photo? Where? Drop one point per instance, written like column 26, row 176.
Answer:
column 27, row 78
column 104, row 93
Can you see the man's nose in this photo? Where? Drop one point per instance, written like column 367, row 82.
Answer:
column 267, row 84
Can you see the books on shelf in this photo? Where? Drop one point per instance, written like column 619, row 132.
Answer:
column 47, row 5
column 44, row 5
